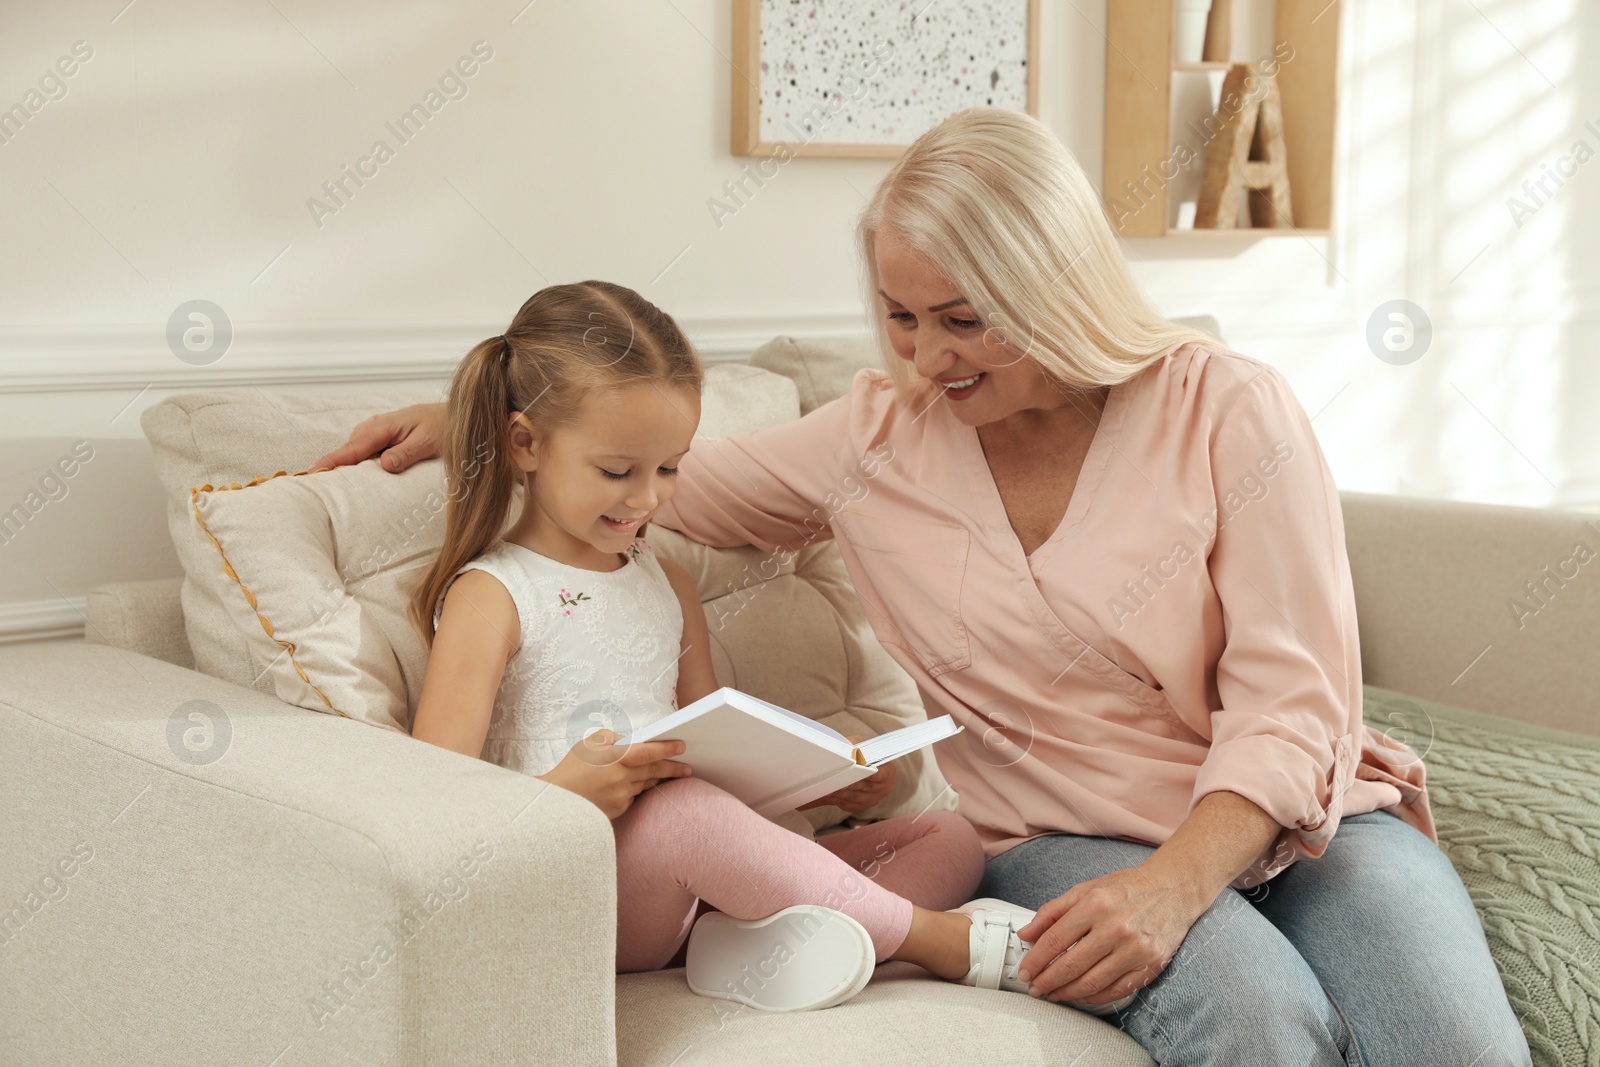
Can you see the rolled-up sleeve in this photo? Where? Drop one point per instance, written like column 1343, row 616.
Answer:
column 1288, row 680
column 769, row 487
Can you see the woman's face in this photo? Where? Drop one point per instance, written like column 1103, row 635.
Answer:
column 933, row 327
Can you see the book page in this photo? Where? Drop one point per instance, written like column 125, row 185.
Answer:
column 822, row 728
column 896, row 743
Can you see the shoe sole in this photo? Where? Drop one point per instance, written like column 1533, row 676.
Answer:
column 799, row 959
column 1012, row 909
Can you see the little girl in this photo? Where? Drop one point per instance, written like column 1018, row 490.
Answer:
column 568, row 618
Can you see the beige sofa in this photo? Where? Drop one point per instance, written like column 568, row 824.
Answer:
column 231, row 911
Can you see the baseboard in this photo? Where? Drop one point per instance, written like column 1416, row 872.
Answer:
column 49, row 359
column 42, row 620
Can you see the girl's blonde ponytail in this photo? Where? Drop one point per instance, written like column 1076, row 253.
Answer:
column 479, row 476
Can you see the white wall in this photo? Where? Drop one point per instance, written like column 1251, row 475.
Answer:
column 179, row 162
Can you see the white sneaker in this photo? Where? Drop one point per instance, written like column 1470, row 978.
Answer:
column 997, row 952
column 798, row 959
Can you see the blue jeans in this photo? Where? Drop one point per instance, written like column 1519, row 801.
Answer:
column 1369, row 956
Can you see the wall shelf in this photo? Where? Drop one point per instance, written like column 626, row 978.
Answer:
column 1140, row 148
column 1240, row 233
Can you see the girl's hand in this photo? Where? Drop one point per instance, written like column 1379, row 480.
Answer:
column 1113, row 935
column 858, row 796
column 610, row 775
column 407, row 436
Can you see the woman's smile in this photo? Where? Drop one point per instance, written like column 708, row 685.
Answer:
column 961, row 388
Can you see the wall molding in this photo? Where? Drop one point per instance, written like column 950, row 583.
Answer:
column 58, row 618
column 78, row 358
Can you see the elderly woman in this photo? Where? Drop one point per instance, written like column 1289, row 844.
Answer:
column 1113, row 550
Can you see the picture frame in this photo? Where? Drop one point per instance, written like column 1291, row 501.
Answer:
column 861, row 84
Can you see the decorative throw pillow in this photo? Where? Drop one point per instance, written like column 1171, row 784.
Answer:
column 230, row 436
column 321, row 566
column 1517, row 809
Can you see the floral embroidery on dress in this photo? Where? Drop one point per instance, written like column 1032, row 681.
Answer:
column 568, row 600
column 615, row 643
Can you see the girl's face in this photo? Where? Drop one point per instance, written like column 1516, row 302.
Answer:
column 934, row 328
column 598, row 480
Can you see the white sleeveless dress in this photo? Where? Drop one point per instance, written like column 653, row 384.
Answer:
column 599, row 650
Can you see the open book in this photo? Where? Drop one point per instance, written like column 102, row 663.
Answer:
column 773, row 759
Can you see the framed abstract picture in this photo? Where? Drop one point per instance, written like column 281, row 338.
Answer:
column 867, row 77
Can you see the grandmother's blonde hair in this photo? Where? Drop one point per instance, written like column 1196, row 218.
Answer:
column 999, row 207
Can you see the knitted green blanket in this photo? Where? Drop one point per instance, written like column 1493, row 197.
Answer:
column 1517, row 808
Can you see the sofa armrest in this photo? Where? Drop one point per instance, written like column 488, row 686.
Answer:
column 197, row 873
column 144, row 617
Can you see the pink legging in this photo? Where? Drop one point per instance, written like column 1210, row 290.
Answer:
column 685, row 841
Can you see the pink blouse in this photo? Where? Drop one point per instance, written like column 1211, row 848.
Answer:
column 1189, row 626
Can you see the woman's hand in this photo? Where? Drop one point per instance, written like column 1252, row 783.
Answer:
column 1109, row 936
column 858, row 796
column 1119, row 931
column 610, row 775
column 407, row 436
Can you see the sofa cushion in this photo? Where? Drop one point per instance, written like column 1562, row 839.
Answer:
column 1517, row 809
column 820, row 367
column 903, row 1018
